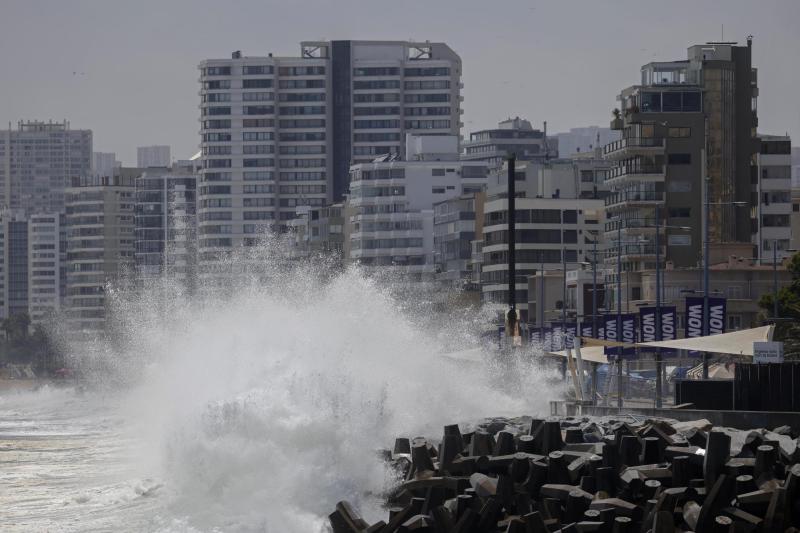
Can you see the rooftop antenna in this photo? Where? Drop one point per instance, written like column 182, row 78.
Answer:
column 722, row 36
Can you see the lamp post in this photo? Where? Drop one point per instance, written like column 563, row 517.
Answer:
column 707, row 262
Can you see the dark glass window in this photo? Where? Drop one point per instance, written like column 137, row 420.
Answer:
column 679, row 159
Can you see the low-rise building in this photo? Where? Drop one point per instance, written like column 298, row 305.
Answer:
column 390, row 213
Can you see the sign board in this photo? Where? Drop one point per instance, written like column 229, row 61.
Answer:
column 695, row 317
column 767, row 352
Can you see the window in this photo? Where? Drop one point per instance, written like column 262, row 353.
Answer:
column 427, row 124
column 217, row 97
column 679, row 159
column 679, row 240
column 570, row 236
column 427, row 98
column 217, row 163
column 257, row 136
column 302, row 97
column 303, row 123
column 651, row 102
column 428, row 71
column 258, row 149
column 302, row 71
column 735, row 292
column 217, row 71
column 216, row 137
column 303, row 110
column 437, row 172
column 216, row 124
column 217, row 85
column 258, row 110
column 570, row 217
column 376, row 124
column 250, row 70
column 259, row 83
column 258, row 123
column 437, row 190
column 679, row 132
column 775, row 221
column 671, row 102
column 680, row 212
column 376, row 71
column 426, row 111
column 776, row 147
column 258, row 175
column 302, row 84
column 258, row 162
column 679, row 185
column 302, row 136
column 376, row 84
column 258, row 97
column 734, row 322
column 796, row 208
column 376, row 97
column 362, row 111
column 427, row 85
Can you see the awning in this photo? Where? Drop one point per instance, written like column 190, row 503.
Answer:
column 590, row 354
column 735, row 343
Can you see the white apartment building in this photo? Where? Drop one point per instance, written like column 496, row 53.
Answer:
column 282, row 132
column 36, row 162
column 31, row 266
column 153, row 156
column 773, row 219
column 100, row 243
column 548, row 232
column 389, row 214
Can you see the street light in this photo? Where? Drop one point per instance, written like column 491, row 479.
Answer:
column 706, row 262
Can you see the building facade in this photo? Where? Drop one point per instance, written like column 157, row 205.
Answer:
column 687, row 120
column 37, row 160
column 586, row 139
column 513, row 135
column 457, row 222
column 549, row 232
column 282, row 132
column 165, row 222
column 104, row 163
column 772, row 225
column 153, row 156
column 100, row 244
column 390, row 210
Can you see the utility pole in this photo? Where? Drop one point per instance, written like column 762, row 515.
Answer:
column 658, row 308
column 512, row 317
column 619, row 312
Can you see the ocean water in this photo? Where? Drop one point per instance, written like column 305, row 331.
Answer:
column 253, row 408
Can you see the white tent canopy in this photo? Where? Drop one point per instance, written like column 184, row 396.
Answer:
column 734, row 343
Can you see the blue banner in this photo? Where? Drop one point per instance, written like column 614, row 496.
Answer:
column 626, row 333
column 586, row 329
column 564, row 334
column 649, row 327
column 717, row 311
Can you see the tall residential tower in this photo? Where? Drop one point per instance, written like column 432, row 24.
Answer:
column 282, row 132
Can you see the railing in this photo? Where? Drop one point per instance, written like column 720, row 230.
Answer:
column 633, row 142
column 634, row 169
column 634, row 196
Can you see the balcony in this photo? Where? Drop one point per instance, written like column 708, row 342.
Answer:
column 634, row 172
column 633, row 146
column 628, row 199
column 633, row 252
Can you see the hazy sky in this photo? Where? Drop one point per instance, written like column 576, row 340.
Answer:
column 128, row 69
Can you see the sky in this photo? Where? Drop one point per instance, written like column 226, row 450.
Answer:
column 128, row 69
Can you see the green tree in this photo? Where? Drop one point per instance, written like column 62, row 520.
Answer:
column 787, row 329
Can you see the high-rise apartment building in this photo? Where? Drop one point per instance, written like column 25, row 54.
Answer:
column 153, row 156
column 282, row 132
column 165, row 221
column 31, row 280
column 772, row 229
column 687, row 120
column 514, row 135
column 37, row 160
column 100, row 243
